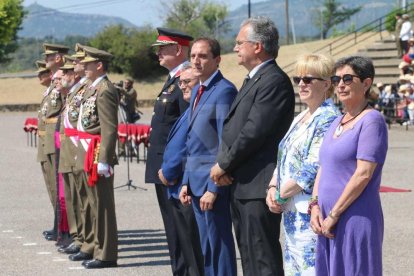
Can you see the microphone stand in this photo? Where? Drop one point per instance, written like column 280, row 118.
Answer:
column 128, row 154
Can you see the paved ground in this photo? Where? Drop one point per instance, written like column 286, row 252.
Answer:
column 26, row 212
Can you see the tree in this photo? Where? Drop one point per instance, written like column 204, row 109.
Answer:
column 11, row 17
column 331, row 14
column 131, row 49
column 197, row 17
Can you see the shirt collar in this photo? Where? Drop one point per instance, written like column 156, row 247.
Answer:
column 82, row 80
column 95, row 83
column 255, row 69
column 174, row 71
column 207, row 82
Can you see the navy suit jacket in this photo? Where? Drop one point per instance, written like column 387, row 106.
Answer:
column 174, row 155
column 204, row 133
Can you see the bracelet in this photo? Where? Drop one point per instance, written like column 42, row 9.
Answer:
column 313, row 198
column 312, row 203
column 332, row 216
column 279, row 199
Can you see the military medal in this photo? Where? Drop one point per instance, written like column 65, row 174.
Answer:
column 171, row 88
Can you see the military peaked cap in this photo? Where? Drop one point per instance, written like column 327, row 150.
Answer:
column 41, row 67
column 93, row 54
column 68, row 64
column 54, row 49
column 79, row 52
column 170, row 36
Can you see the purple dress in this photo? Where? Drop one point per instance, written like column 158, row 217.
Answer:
column 357, row 246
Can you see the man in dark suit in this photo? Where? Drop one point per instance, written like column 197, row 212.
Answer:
column 258, row 119
column 211, row 204
column 173, row 47
column 171, row 174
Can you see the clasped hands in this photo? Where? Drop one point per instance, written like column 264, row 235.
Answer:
column 322, row 226
column 219, row 176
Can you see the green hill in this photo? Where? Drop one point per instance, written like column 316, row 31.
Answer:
column 40, row 22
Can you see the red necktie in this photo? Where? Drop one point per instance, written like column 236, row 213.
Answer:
column 199, row 93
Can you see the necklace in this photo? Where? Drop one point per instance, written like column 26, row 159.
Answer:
column 340, row 128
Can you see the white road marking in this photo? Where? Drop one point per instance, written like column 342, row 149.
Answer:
column 76, row 267
column 29, row 244
column 59, row 260
column 17, row 237
column 8, row 231
column 44, row 253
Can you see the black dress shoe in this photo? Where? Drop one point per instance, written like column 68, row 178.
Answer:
column 51, row 237
column 86, row 261
column 48, row 232
column 80, row 256
column 100, row 264
column 61, row 249
column 72, row 249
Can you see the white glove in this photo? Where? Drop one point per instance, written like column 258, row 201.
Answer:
column 105, row 170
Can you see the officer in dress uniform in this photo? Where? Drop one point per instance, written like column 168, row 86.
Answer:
column 75, row 190
column 97, row 133
column 173, row 48
column 50, row 108
column 45, row 79
column 43, row 74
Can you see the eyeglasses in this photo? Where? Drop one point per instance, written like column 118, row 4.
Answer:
column 347, row 79
column 185, row 81
column 238, row 43
column 306, row 80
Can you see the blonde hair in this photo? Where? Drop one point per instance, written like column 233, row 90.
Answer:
column 317, row 65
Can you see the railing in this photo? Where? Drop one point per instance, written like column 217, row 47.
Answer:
column 353, row 38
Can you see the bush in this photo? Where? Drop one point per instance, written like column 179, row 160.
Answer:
column 131, row 49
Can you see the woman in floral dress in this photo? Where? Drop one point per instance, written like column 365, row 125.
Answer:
column 297, row 162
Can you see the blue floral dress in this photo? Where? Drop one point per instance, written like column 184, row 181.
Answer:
column 298, row 160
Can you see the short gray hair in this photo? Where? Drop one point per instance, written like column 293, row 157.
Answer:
column 186, row 66
column 263, row 30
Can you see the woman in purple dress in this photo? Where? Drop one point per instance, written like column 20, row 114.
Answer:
column 346, row 209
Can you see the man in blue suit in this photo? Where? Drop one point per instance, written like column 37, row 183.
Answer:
column 171, row 174
column 211, row 204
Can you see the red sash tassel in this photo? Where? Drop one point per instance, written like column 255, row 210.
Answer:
column 91, row 158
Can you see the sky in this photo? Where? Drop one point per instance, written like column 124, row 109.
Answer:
column 138, row 12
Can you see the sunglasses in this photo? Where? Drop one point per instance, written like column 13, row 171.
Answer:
column 306, row 80
column 347, row 79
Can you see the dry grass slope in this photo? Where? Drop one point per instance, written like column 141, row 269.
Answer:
column 28, row 91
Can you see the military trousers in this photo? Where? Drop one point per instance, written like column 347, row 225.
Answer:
column 76, row 201
column 103, row 223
